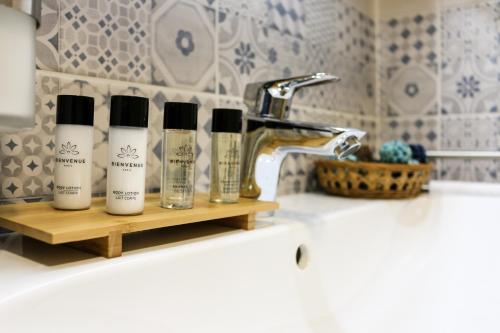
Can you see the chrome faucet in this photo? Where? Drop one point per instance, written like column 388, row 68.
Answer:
column 269, row 137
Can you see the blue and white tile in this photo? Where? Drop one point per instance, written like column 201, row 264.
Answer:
column 321, row 19
column 470, row 132
column 245, row 54
column 415, row 130
column 412, row 91
column 287, row 17
column 471, row 62
column 47, row 37
column 346, row 48
column 108, row 39
column 184, row 45
column 286, row 55
column 409, row 66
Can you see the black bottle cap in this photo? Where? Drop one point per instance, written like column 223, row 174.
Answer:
column 129, row 111
column 180, row 116
column 226, row 120
column 75, row 110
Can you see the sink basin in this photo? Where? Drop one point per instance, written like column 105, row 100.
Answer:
column 226, row 280
column 322, row 264
column 422, row 265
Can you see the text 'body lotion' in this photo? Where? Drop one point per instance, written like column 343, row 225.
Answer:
column 179, row 155
column 127, row 150
column 73, row 156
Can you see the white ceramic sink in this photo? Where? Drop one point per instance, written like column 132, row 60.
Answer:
column 424, row 265
column 232, row 281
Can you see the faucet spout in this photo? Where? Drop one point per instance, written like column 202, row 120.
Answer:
column 269, row 141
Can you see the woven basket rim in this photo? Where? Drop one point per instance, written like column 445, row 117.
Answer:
column 374, row 165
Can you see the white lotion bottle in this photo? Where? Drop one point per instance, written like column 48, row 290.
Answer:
column 127, row 152
column 73, row 155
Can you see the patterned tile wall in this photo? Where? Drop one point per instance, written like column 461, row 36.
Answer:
column 47, row 42
column 109, row 39
column 203, row 51
column 214, row 46
column 341, row 41
column 471, row 88
column 408, row 72
column 440, row 84
column 184, row 45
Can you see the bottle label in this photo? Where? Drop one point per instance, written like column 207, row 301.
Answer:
column 179, row 155
column 225, row 166
column 68, row 190
column 73, row 166
column 126, row 173
column 126, row 160
column 123, row 195
column 67, row 155
column 181, row 164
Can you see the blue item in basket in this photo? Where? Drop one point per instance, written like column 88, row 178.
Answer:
column 418, row 153
column 395, row 152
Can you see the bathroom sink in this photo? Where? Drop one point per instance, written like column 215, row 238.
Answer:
column 321, row 264
column 428, row 264
column 221, row 281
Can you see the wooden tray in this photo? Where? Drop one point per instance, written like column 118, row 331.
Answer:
column 96, row 231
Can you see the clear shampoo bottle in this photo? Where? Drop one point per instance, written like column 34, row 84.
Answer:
column 179, row 155
column 226, row 156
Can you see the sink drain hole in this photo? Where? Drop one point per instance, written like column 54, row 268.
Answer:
column 302, row 256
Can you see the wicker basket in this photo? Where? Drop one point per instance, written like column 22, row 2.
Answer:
column 372, row 180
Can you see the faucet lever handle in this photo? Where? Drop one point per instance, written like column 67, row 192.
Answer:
column 272, row 99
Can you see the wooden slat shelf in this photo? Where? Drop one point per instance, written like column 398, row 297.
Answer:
column 96, row 231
